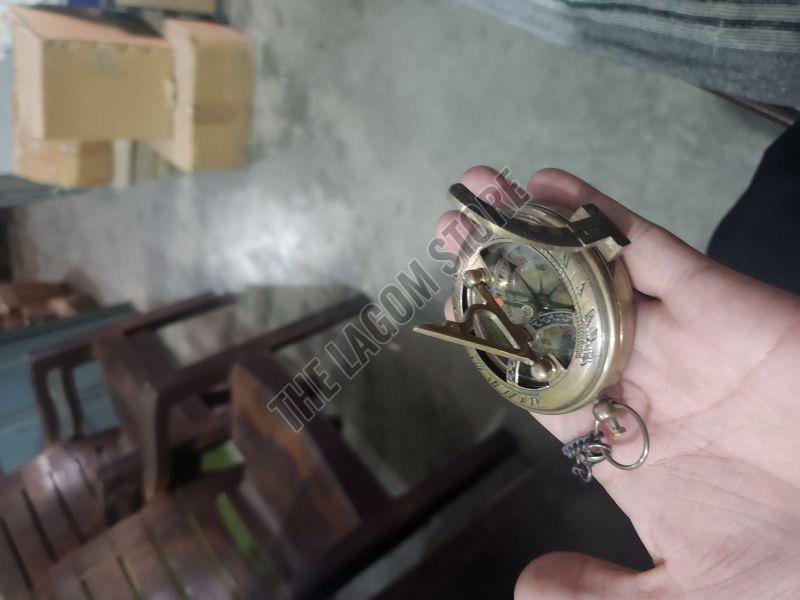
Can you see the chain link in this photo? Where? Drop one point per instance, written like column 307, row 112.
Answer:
column 590, row 449
column 586, row 450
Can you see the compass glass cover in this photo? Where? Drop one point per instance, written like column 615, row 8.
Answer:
column 527, row 284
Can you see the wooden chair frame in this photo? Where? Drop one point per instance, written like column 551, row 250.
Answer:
column 384, row 520
column 180, row 543
column 67, row 356
column 157, row 394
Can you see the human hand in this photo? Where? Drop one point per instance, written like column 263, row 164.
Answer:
column 715, row 372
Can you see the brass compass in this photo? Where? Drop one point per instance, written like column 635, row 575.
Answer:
column 545, row 311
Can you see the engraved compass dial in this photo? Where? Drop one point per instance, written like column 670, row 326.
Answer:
column 528, row 287
column 568, row 303
column 545, row 312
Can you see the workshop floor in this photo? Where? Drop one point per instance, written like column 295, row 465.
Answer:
column 364, row 113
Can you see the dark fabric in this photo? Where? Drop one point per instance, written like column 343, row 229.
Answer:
column 746, row 48
column 760, row 236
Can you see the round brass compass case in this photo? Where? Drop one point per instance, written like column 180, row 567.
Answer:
column 603, row 318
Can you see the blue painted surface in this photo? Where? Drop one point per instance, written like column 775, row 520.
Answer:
column 20, row 429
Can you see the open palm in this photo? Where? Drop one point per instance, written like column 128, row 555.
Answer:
column 715, row 372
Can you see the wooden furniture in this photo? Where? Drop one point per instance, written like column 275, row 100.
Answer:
column 155, row 399
column 47, row 509
column 298, row 519
column 157, row 403
column 78, row 486
column 62, row 360
column 21, row 437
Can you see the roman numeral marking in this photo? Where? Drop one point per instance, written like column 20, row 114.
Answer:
column 587, row 357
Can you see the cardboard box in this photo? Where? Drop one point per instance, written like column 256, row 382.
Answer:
column 66, row 164
column 214, row 95
column 63, row 164
column 86, row 78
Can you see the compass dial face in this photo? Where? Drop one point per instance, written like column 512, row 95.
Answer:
column 570, row 303
column 528, row 286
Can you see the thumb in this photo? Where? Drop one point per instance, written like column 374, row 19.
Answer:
column 656, row 259
column 570, row 575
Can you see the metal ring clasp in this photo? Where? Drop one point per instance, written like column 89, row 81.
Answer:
column 590, row 449
column 605, row 411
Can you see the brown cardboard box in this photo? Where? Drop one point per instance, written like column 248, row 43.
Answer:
column 67, row 164
column 90, row 78
column 214, row 89
column 62, row 163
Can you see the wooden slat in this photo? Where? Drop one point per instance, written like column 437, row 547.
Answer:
column 86, row 508
column 73, row 567
column 140, row 557
column 14, row 581
column 71, row 589
column 59, row 577
column 154, row 354
column 89, row 562
column 73, row 401
column 51, row 425
column 10, row 482
column 152, row 320
column 186, row 556
column 198, row 504
column 126, row 378
column 264, row 378
column 204, row 374
column 212, row 531
column 148, row 574
column 274, row 561
column 127, row 535
column 124, row 537
column 58, row 524
column 106, row 580
column 403, row 515
column 25, row 534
